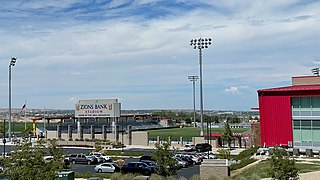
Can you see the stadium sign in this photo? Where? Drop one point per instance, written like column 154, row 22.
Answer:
column 98, row 108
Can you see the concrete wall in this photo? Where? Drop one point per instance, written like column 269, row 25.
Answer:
column 197, row 140
column 138, row 138
column 217, row 168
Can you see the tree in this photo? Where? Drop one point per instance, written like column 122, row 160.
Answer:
column 224, row 154
column 28, row 162
column 227, row 134
column 167, row 165
column 2, row 129
column 281, row 166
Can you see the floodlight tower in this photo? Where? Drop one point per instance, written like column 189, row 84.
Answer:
column 200, row 44
column 12, row 63
column 194, row 79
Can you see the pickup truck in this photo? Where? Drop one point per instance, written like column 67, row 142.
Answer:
column 82, row 158
column 138, row 167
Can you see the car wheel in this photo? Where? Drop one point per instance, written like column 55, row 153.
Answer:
column 89, row 162
column 73, row 162
column 147, row 173
column 99, row 171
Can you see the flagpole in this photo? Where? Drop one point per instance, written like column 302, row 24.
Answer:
column 25, row 117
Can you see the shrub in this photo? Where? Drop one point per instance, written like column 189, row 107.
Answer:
column 128, row 176
column 244, row 162
column 196, row 177
column 155, row 177
column 116, row 176
column 246, row 153
column 224, row 154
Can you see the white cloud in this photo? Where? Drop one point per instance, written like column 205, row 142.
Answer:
column 258, row 43
column 236, row 89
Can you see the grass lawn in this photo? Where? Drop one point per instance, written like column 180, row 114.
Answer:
column 20, row 126
column 261, row 170
column 187, row 132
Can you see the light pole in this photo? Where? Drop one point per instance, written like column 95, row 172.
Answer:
column 12, row 63
column 194, row 79
column 201, row 43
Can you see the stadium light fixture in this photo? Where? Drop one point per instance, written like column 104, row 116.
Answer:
column 193, row 79
column 200, row 44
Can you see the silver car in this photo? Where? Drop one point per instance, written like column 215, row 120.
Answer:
column 107, row 168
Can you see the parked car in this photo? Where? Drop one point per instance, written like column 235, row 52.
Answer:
column 209, row 156
column 82, row 158
column 47, row 158
column 189, row 161
column 138, row 167
column 146, row 158
column 103, row 157
column 195, row 159
column 181, row 163
column 150, row 163
column 189, row 147
column 200, row 155
column 203, row 147
column 107, row 167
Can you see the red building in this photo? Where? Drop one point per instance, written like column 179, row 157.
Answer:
column 290, row 116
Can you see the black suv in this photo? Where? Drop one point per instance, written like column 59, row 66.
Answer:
column 203, row 147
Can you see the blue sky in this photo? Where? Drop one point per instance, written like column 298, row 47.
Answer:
column 138, row 51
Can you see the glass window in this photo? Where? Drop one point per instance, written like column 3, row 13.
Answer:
column 305, row 103
column 306, row 124
column 306, row 135
column 306, row 112
column 316, row 124
column 316, row 135
column 315, row 113
column 297, row 136
column 295, row 103
column 295, row 113
column 296, row 124
column 315, row 103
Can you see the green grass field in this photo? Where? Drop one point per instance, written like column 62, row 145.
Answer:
column 20, row 126
column 187, row 132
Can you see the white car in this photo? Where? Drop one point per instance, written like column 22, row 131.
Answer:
column 181, row 163
column 99, row 155
column 107, row 167
column 195, row 159
column 47, row 158
column 189, row 147
column 210, row 156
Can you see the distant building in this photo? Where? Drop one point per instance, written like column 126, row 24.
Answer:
column 167, row 123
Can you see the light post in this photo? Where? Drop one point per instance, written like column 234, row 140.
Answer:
column 4, row 138
column 201, row 43
column 12, row 63
column 194, row 79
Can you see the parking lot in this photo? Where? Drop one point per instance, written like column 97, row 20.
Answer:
column 187, row 172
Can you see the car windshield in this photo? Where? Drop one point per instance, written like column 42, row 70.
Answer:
column 103, row 154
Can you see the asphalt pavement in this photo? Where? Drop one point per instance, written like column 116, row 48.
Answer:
column 185, row 172
column 83, row 168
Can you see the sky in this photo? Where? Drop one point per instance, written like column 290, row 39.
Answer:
column 139, row 51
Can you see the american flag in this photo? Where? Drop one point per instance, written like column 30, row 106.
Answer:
column 23, row 107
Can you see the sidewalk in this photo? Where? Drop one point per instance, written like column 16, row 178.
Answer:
column 305, row 176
